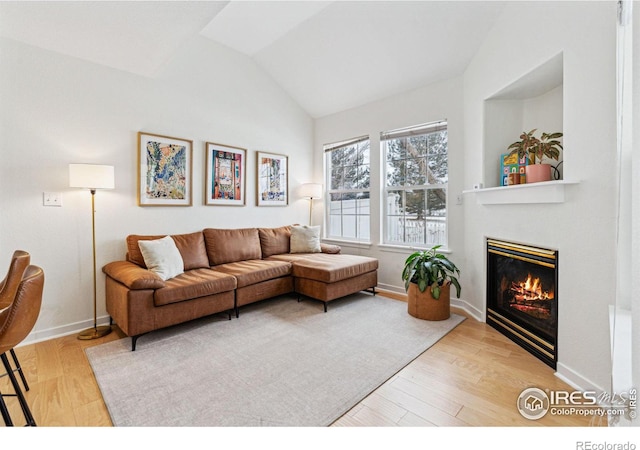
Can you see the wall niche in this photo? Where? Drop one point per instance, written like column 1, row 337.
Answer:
column 535, row 100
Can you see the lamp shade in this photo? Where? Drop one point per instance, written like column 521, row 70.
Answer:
column 91, row 176
column 311, row 190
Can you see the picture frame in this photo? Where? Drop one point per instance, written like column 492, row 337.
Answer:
column 225, row 178
column 272, row 179
column 164, row 170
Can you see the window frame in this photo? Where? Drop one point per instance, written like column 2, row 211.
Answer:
column 404, row 188
column 328, row 149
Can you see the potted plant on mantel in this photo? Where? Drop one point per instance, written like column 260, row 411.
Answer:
column 428, row 276
column 535, row 149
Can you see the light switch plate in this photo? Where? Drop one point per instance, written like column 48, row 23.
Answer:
column 52, row 199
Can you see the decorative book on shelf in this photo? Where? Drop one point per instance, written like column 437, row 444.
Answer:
column 511, row 164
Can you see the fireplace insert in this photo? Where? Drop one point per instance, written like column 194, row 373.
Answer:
column 522, row 300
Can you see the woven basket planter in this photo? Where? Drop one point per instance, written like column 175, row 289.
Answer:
column 423, row 306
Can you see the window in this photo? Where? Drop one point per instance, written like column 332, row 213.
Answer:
column 348, row 176
column 415, row 188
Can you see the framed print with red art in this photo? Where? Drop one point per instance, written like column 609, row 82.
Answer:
column 225, row 177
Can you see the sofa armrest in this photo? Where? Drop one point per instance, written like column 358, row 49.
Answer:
column 133, row 276
column 329, row 248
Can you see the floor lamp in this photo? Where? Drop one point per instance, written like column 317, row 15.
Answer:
column 92, row 177
column 312, row 191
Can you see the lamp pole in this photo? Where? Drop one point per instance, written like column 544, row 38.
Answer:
column 93, row 177
column 95, row 332
column 310, row 209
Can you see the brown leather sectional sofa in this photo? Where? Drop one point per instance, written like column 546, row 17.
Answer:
column 225, row 269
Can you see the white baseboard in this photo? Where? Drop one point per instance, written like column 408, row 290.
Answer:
column 575, row 380
column 455, row 302
column 468, row 308
column 391, row 288
column 52, row 333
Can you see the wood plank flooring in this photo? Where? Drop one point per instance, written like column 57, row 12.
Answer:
column 471, row 377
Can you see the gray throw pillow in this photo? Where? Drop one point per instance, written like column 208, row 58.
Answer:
column 305, row 239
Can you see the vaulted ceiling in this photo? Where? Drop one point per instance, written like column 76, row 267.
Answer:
column 328, row 55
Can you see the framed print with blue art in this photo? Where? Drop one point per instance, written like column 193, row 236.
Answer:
column 272, row 180
column 225, row 177
column 164, row 170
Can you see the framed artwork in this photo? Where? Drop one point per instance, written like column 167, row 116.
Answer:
column 164, row 170
column 272, row 183
column 225, row 178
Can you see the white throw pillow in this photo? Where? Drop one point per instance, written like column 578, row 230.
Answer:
column 162, row 257
column 305, row 239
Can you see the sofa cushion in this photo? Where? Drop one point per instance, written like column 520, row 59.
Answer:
column 193, row 284
column 133, row 250
column 331, row 268
column 305, row 239
column 133, row 276
column 161, row 256
column 290, row 257
column 231, row 245
column 255, row 270
column 191, row 247
column 274, row 241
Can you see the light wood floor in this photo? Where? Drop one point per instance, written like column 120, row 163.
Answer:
column 471, row 377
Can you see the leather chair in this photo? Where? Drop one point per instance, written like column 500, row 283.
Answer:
column 8, row 288
column 16, row 322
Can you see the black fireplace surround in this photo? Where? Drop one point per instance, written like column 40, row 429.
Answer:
column 522, row 296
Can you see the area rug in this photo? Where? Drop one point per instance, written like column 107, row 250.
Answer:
column 281, row 363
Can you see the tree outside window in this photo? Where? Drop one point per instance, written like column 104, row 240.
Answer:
column 416, row 176
column 349, row 176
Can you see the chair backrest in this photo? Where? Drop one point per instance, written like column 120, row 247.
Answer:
column 8, row 287
column 17, row 321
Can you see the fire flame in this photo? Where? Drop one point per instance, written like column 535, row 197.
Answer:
column 531, row 289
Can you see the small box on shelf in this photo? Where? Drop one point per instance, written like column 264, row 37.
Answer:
column 509, row 164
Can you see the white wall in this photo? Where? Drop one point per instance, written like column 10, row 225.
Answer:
column 583, row 228
column 431, row 103
column 544, row 112
column 57, row 110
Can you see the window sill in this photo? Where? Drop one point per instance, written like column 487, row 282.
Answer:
column 344, row 243
column 407, row 249
column 543, row 192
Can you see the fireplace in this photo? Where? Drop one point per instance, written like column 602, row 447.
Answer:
column 522, row 296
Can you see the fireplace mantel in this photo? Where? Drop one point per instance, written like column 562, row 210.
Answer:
column 543, row 192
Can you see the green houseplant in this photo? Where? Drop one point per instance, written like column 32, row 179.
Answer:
column 433, row 270
column 534, row 149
